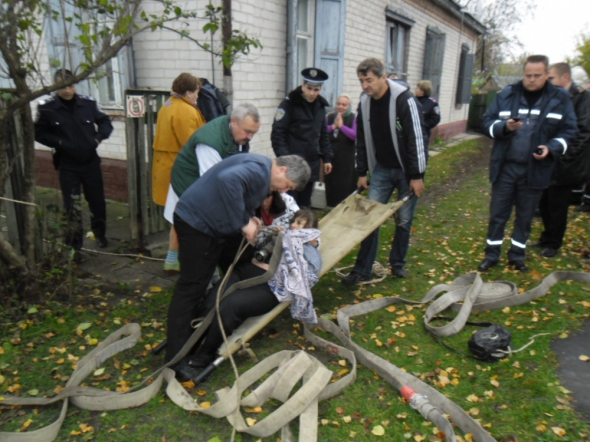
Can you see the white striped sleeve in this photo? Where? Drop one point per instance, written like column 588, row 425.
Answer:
column 417, row 126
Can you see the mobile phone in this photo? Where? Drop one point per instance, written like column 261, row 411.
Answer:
column 539, row 151
column 516, row 119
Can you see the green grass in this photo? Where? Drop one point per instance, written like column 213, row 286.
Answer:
column 449, row 232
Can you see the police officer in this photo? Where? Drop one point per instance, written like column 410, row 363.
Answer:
column 74, row 126
column 430, row 108
column 300, row 128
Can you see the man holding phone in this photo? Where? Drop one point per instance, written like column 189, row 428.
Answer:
column 532, row 123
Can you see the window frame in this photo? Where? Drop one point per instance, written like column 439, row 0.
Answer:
column 397, row 22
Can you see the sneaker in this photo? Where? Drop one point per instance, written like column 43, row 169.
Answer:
column 172, row 268
column 355, row 278
column 399, row 272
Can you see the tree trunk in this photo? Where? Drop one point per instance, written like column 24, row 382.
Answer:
column 226, row 29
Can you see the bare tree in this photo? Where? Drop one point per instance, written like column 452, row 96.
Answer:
column 102, row 28
column 500, row 40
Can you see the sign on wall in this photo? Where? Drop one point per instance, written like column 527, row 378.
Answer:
column 135, row 106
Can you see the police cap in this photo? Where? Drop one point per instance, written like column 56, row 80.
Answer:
column 314, row 76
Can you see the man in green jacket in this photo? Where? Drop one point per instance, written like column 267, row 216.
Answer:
column 216, row 140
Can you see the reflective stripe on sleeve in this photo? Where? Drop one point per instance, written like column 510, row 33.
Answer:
column 492, row 128
column 563, row 143
column 556, row 116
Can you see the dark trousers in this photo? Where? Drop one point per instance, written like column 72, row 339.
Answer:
column 303, row 197
column 554, row 207
column 89, row 178
column 198, row 254
column 510, row 190
column 235, row 309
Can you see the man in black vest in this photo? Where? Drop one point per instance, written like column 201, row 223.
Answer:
column 68, row 123
column 300, row 129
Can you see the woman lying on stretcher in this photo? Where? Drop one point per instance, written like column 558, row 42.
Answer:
column 296, row 273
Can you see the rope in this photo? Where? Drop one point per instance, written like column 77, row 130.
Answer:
column 378, row 269
column 17, row 201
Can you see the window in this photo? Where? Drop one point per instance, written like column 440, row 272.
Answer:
column 304, row 37
column 397, row 42
column 433, row 59
column 64, row 51
column 465, row 76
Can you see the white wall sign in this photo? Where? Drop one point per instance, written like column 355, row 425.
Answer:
column 135, row 106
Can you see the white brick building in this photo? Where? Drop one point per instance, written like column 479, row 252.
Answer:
column 416, row 38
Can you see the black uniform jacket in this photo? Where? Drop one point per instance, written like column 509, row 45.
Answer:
column 300, row 129
column 73, row 135
column 431, row 112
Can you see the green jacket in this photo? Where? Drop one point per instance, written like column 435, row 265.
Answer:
column 215, row 134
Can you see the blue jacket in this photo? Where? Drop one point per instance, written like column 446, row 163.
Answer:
column 224, row 199
column 556, row 127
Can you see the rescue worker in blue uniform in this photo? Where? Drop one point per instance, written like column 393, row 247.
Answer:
column 300, row 128
column 74, row 126
column 532, row 123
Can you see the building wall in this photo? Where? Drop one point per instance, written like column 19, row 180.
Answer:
column 260, row 78
column 365, row 32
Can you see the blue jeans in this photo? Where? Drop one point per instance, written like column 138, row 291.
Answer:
column 383, row 182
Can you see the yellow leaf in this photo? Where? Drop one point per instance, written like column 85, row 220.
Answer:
column 469, row 437
column 1, row 377
column 75, row 433
column 26, row 425
column 188, row 384
column 342, row 362
column 84, row 326
column 418, row 438
column 495, row 383
column 563, row 336
column 474, row 411
column 506, row 310
column 379, row 343
column 541, row 428
column 347, row 419
column 253, row 409
column 324, row 421
column 377, row 296
column 402, row 415
column 201, row 392
column 584, row 358
column 352, row 434
column 559, row 431
column 1, row 350
column 155, row 289
column 86, row 428
column 250, row 422
column 390, row 309
column 205, row 405
column 342, row 372
column 378, row 430
column 472, row 398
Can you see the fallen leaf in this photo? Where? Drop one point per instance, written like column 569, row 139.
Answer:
column 98, row 371
column 584, row 358
column 155, row 289
column 340, row 410
column 86, row 428
column 205, row 405
column 250, row 421
column 472, row 398
column 253, row 409
column 495, row 383
column 378, row 430
column 33, row 392
column 347, row 419
column 84, row 326
column 559, row 431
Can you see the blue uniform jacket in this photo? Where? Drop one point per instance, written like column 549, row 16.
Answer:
column 224, row 199
column 556, row 127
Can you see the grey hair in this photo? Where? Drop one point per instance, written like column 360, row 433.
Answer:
column 579, row 76
column 244, row 110
column 345, row 96
column 298, row 170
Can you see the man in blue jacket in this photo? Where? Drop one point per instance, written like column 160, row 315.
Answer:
column 216, row 207
column 532, row 123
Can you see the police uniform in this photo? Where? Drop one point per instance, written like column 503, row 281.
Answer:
column 300, row 128
column 75, row 130
column 431, row 111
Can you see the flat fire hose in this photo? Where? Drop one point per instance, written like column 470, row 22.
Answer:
column 295, row 366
